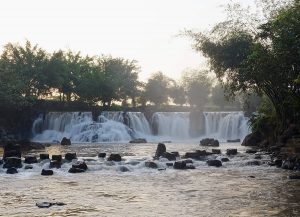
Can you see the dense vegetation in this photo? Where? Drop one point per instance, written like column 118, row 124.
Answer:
column 261, row 54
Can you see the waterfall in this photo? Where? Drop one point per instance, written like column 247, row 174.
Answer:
column 226, row 125
column 171, row 124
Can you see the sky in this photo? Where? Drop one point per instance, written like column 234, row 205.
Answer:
column 143, row 30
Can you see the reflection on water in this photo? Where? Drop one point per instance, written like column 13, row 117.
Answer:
column 206, row 191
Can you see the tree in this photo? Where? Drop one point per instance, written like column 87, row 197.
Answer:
column 177, row 93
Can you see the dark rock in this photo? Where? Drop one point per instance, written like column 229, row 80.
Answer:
column 215, row 163
column 188, row 161
column 123, row 169
column 161, row 169
column 202, row 153
column 278, row 162
column 191, row 167
column 44, row 205
column 65, row 141
column 193, row 155
column 179, row 165
column 57, row 157
column 44, row 156
column 253, row 163
column 28, row 167
column 151, row 164
column 231, row 151
column 11, row 170
column 233, row 140
column 76, row 170
column 80, row 165
column 288, row 165
column 161, row 148
column 102, row 155
column 70, row 156
column 210, row 142
column 10, row 162
column 251, row 177
column 253, row 139
column 250, row 151
column 176, row 153
column 216, row 151
column 138, row 140
column 257, row 157
column 30, row 160
column 114, row 157
column 215, row 143
column 169, row 156
column 11, row 150
column 169, row 164
column 1, row 162
column 294, row 177
column 55, row 164
column 47, row 172
column 224, row 159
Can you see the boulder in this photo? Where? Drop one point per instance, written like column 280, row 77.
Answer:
column 215, row 163
column 10, row 162
column 138, row 140
column 47, row 172
column 11, row 170
column 278, row 162
column 114, row 157
column 57, row 157
column 253, row 139
column 151, row 164
column 80, row 165
column 233, row 140
column 30, row 160
column 55, row 164
column 224, row 159
column 11, row 150
column 179, row 165
column 169, row 156
column 210, row 142
column 44, row 156
column 161, row 148
column 176, row 153
column 102, row 155
column 70, row 156
column 215, row 143
column 231, row 151
column 216, row 151
column 76, row 170
column 188, row 161
column 65, row 141
column 193, row 155
column 288, row 165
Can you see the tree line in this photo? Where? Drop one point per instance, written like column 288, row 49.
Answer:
column 28, row 73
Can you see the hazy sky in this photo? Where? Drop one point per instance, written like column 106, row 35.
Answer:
column 144, row 30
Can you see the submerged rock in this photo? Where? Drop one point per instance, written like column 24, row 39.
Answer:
column 231, row 151
column 70, row 156
column 161, row 148
column 138, row 140
column 65, row 141
column 215, row 163
column 123, row 169
column 114, row 157
column 47, row 172
column 30, row 160
column 102, row 155
column 151, row 164
column 11, row 170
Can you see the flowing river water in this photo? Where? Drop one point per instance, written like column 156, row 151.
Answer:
column 234, row 189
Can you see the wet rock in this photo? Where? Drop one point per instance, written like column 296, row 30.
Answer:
column 47, row 172
column 28, row 167
column 57, row 157
column 70, row 156
column 233, row 140
column 80, row 165
column 257, row 157
column 202, row 153
column 11, row 150
column 176, row 153
column 11, row 170
column 216, row 151
column 190, row 167
column 169, row 156
column 44, row 205
column 44, row 156
column 151, row 164
column 138, row 140
column 231, row 151
column 30, row 160
column 294, row 177
column 123, row 169
column 288, row 165
column 161, row 148
column 215, row 163
column 102, row 155
column 253, row 163
column 1, row 162
column 209, row 142
column 179, row 165
column 10, row 162
column 193, row 155
column 250, row 151
column 188, row 161
column 169, row 164
column 161, row 169
column 76, row 170
column 55, row 164
column 253, row 139
column 251, row 177
column 114, row 157
column 224, row 159
column 65, row 141
column 278, row 162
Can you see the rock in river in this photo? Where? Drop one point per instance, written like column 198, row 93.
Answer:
column 114, row 157
column 161, row 148
column 215, row 163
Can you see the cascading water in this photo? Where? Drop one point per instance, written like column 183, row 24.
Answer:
column 226, row 125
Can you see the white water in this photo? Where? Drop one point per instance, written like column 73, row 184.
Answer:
column 124, row 126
